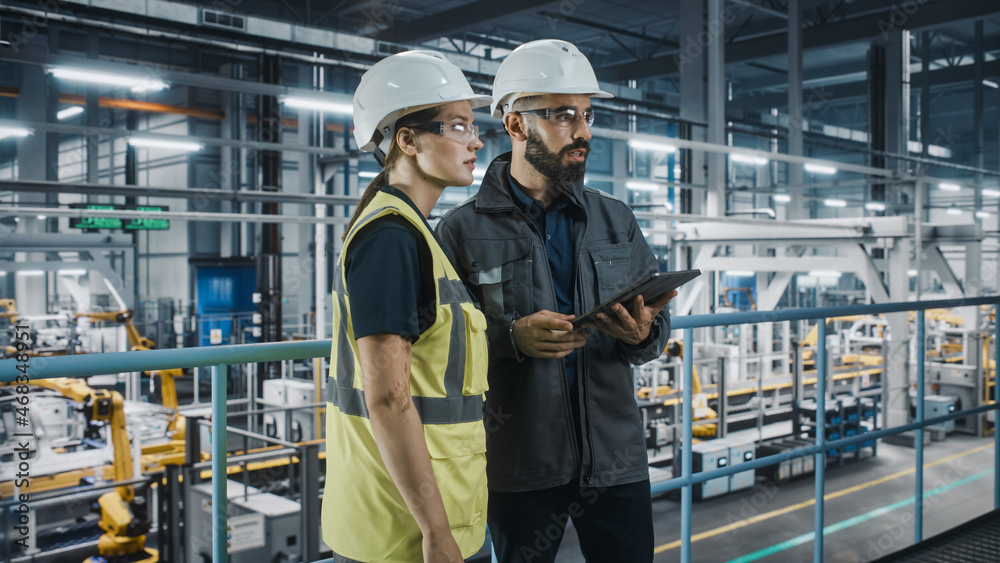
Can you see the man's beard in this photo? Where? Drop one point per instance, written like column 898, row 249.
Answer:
column 550, row 164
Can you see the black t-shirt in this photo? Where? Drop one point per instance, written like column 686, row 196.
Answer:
column 390, row 277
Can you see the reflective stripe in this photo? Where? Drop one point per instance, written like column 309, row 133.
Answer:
column 493, row 299
column 452, row 291
column 432, row 410
column 345, row 353
column 454, row 374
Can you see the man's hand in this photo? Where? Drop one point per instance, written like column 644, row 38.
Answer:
column 547, row 334
column 441, row 549
column 631, row 328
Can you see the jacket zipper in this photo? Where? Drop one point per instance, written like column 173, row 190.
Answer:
column 577, row 455
column 583, row 372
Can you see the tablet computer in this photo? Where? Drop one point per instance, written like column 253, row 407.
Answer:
column 651, row 288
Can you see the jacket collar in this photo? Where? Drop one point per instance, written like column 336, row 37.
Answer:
column 494, row 191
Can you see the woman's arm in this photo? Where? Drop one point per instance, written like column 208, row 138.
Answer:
column 399, row 434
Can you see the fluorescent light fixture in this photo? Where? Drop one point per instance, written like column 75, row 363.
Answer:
column 318, row 104
column 949, row 187
column 911, row 273
column 983, row 214
column 6, row 132
column 41, row 217
column 162, row 144
column 480, row 173
column 2, row 274
column 991, row 193
column 782, row 198
column 740, row 273
column 136, row 83
column 991, row 84
column 834, row 203
column 824, row 274
column 954, row 211
column 875, row 206
column 639, row 144
column 820, row 168
column 31, row 273
column 747, row 158
column 72, row 272
column 367, row 174
column 642, row 186
column 69, row 112
column 670, row 206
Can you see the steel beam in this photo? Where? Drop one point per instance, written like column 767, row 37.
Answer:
column 197, row 194
column 472, row 16
column 864, row 27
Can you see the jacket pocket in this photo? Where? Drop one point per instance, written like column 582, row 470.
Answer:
column 458, row 457
column 476, row 360
column 502, row 272
column 612, row 267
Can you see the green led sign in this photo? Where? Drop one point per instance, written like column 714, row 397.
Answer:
column 147, row 223
column 118, row 223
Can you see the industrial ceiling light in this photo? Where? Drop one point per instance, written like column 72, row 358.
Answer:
column 69, row 112
column 983, row 214
column 825, row 274
column 31, row 273
column 72, row 272
column 954, row 211
column 991, row 84
column 991, row 193
column 367, row 174
column 318, row 104
column 949, row 187
column 41, row 217
column 911, row 273
column 834, row 203
column 747, row 159
column 642, row 186
column 740, row 273
column 875, row 206
column 138, row 84
column 782, row 198
column 820, row 168
column 162, row 144
column 641, row 145
column 9, row 132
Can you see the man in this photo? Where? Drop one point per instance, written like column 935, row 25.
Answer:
column 536, row 247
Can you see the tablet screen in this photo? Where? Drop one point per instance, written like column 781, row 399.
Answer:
column 651, row 288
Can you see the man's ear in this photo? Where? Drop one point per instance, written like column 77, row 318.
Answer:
column 515, row 126
column 407, row 141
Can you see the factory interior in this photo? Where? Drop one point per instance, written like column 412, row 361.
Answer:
column 176, row 176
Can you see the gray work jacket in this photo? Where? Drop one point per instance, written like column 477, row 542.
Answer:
column 531, row 439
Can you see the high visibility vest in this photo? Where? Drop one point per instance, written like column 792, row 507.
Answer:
column 364, row 515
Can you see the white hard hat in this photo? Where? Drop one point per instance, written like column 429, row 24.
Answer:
column 545, row 66
column 404, row 83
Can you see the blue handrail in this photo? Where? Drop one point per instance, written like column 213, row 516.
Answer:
column 221, row 356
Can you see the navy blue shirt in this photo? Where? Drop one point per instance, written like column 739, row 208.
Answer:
column 389, row 275
column 556, row 227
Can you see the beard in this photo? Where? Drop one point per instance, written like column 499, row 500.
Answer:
column 550, row 164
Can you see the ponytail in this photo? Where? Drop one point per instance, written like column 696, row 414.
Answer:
column 412, row 120
column 373, row 188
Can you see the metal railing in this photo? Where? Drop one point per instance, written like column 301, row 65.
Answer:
column 686, row 481
column 222, row 356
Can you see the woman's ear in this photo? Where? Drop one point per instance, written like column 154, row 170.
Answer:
column 407, row 141
column 515, row 126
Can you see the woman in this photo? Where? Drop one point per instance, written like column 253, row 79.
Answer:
column 405, row 476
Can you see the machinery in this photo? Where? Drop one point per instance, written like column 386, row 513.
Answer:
column 123, row 515
column 135, row 339
column 261, row 526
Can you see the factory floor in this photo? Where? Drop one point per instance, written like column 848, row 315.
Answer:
column 869, row 509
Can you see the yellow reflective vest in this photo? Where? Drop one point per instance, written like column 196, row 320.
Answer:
column 364, row 516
